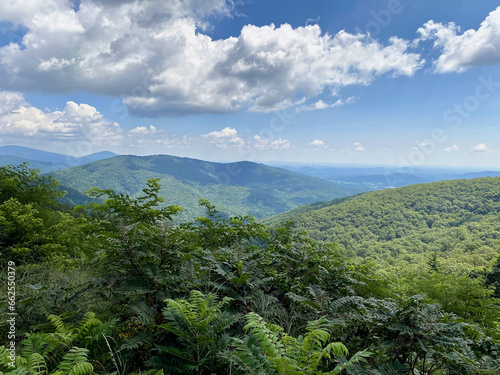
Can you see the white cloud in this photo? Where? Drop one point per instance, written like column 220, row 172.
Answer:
column 320, row 104
column 77, row 129
column 464, row 50
column 279, row 144
column 317, row 143
column 453, row 148
column 154, row 55
column 75, row 122
column 481, row 148
column 145, row 130
column 11, row 101
column 261, row 144
column 228, row 137
column 224, row 138
column 81, row 126
column 358, row 147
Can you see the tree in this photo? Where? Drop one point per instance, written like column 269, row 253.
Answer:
column 32, row 226
column 28, row 187
column 493, row 278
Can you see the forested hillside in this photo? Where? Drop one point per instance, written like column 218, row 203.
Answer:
column 440, row 237
column 235, row 188
column 117, row 288
column 460, row 217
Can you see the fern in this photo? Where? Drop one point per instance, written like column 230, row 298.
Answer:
column 88, row 321
column 268, row 350
column 59, row 325
column 200, row 325
column 75, row 362
column 37, row 365
column 141, row 340
column 393, row 368
column 145, row 314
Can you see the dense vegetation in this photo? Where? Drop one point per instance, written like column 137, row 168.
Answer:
column 117, row 288
column 235, row 188
column 450, row 229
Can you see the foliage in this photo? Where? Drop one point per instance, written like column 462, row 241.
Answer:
column 170, row 297
column 201, row 327
column 493, row 278
column 33, row 226
column 268, row 350
column 437, row 239
column 28, row 187
column 64, row 351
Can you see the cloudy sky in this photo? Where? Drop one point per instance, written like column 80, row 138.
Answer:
column 372, row 82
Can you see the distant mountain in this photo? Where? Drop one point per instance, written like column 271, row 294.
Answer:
column 41, row 165
column 479, row 174
column 378, row 177
column 235, row 188
column 44, row 160
column 98, row 156
column 459, row 217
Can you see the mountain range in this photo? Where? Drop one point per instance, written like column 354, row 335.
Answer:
column 240, row 188
column 383, row 177
column 46, row 161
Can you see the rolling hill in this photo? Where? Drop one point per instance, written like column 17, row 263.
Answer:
column 458, row 220
column 235, row 188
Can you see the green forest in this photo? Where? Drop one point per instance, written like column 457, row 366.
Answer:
column 403, row 281
column 242, row 188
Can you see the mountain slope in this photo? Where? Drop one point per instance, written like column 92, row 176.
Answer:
column 235, row 188
column 43, row 166
column 460, row 217
column 46, row 161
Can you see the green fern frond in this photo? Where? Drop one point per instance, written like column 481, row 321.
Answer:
column 136, row 342
column 88, row 321
column 37, row 365
column 251, row 359
column 96, row 332
column 82, row 368
column 75, row 356
column 59, row 325
column 144, row 314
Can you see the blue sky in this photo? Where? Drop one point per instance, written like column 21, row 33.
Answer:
column 399, row 82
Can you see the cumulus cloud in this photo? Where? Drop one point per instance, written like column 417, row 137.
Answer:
column 11, row 101
column 358, row 147
column 224, row 138
column 74, row 122
column 266, row 144
column 82, row 124
column 77, row 128
column 154, row 55
column 145, row 130
column 229, row 137
column 481, row 148
column 453, row 148
column 279, row 144
column 317, row 143
column 464, row 50
column 320, row 104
